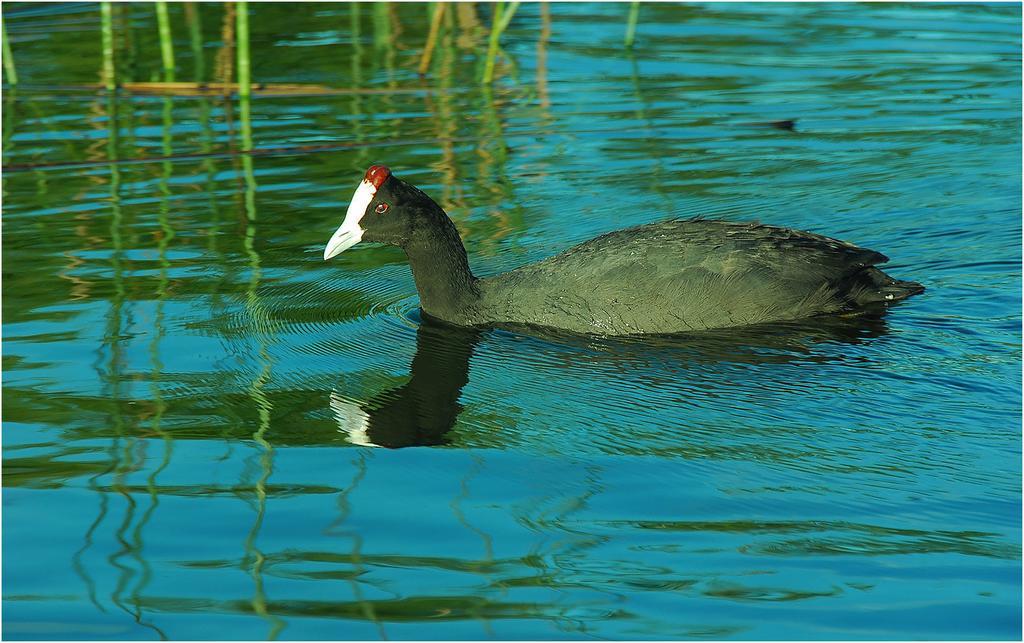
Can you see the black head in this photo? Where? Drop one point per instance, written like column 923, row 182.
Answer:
column 384, row 209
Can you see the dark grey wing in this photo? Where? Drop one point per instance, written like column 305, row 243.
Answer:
column 681, row 275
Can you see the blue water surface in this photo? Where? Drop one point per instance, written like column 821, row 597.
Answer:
column 191, row 396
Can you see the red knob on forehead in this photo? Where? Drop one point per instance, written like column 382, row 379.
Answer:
column 377, row 174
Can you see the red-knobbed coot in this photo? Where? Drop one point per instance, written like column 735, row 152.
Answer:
column 668, row 277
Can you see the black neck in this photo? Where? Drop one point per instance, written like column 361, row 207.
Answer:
column 446, row 285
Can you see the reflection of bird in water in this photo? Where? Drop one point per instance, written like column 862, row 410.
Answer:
column 774, row 343
column 423, row 410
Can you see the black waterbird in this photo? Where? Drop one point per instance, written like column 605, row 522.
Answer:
column 668, row 277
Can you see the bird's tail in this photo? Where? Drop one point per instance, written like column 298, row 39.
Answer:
column 874, row 286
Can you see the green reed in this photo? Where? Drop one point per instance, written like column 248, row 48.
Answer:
column 499, row 22
column 9, row 71
column 634, row 15
column 244, row 71
column 195, row 34
column 435, row 27
column 166, row 43
column 107, row 34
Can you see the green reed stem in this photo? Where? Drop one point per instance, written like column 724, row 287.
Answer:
column 242, row 49
column 492, row 44
column 107, row 30
column 127, row 45
column 244, row 71
column 634, row 15
column 381, row 25
column 12, row 75
column 435, row 28
column 166, row 44
column 507, row 17
column 499, row 22
column 195, row 33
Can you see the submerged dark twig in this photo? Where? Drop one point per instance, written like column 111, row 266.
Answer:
column 291, row 150
column 220, row 89
column 267, row 151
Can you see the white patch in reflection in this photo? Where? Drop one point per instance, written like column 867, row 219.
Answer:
column 352, row 420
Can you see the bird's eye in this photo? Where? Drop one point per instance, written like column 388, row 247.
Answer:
column 381, row 208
